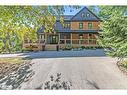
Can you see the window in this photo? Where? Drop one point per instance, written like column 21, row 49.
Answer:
column 85, row 15
column 67, row 25
column 80, row 36
column 90, row 26
column 42, row 37
column 80, row 25
column 90, row 36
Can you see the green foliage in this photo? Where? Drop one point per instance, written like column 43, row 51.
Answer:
column 20, row 22
column 124, row 63
column 68, row 47
column 114, row 35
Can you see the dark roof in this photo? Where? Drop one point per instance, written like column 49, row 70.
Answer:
column 66, row 17
column 41, row 30
column 59, row 28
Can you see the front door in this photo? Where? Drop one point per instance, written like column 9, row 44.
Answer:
column 53, row 39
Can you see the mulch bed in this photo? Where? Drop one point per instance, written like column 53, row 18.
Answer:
column 13, row 75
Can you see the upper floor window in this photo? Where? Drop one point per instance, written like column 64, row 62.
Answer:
column 67, row 25
column 90, row 26
column 80, row 25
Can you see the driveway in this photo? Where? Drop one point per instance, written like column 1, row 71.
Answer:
column 82, row 72
column 58, row 54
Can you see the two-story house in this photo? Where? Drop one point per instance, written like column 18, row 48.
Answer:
column 81, row 29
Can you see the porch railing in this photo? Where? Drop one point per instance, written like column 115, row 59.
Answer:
column 78, row 41
column 66, row 41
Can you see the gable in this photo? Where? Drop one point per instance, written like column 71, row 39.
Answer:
column 85, row 14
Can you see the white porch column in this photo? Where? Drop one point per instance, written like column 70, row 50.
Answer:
column 88, row 38
column 71, row 38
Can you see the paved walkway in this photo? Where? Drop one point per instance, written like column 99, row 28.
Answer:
column 82, row 72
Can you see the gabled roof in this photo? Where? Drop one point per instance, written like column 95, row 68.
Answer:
column 83, row 12
column 79, row 16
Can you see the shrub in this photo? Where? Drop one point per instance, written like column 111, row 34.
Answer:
column 83, row 47
column 124, row 63
column 68, row 47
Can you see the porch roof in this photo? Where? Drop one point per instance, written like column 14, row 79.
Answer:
column 41, row 30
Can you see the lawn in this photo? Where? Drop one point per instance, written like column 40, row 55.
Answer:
column 13, row 60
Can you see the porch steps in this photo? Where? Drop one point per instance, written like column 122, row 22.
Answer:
column 50, row 47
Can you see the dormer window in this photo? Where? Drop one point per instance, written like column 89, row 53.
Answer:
column 67, row 25
column 85, row 15
column 88, row 15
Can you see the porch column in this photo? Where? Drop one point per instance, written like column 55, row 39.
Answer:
column 39, row 38
column 59, row 39
column 45, row 38
column 88, row 38
column 38, row 42
column 71, row 38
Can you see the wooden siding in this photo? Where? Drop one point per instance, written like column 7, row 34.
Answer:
column 75, row 36
column 75, row 25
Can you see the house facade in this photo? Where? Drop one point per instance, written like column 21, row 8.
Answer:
column 81, row 29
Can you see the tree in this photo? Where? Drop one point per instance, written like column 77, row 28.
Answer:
column 18, row 21
column 114, row 26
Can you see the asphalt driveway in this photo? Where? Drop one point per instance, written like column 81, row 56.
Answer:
column 82, row 72
column 58, row 54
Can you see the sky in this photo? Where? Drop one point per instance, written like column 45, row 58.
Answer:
column 70, row 11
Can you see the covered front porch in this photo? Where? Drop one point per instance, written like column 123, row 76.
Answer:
column 52, row 41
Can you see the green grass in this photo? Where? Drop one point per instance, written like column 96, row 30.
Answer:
column 13, row 60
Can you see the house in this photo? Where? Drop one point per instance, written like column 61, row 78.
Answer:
column 81, row 29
